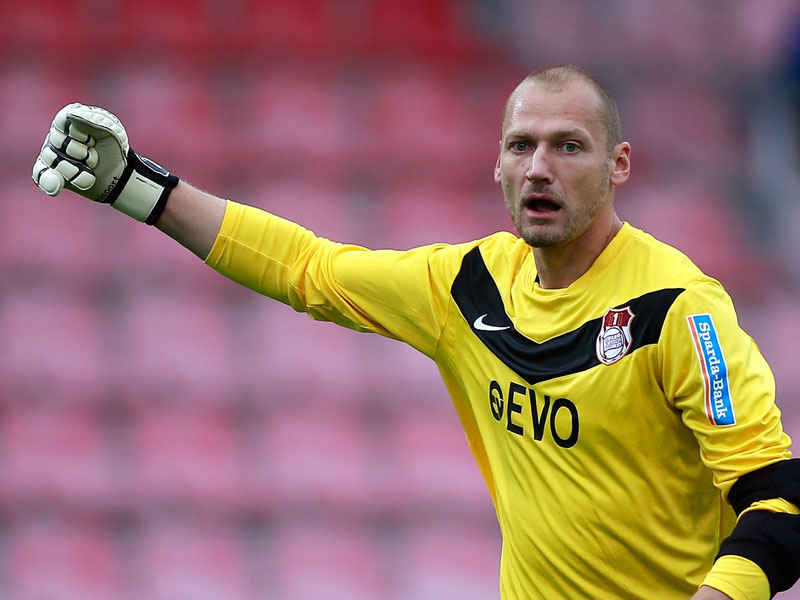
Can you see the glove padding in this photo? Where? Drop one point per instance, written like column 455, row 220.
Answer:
column 87, row 152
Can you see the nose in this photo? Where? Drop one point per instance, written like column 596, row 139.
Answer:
column 540, row 168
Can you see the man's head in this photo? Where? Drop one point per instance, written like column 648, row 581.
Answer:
column 559, row 76
column 560, row 156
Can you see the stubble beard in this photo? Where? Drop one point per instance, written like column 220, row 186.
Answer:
column 568, row 225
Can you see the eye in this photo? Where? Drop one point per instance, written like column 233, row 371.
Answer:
column 518, row 146
column 570, row 147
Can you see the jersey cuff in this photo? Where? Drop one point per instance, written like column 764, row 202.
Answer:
column 222, row 236
column 739, row 578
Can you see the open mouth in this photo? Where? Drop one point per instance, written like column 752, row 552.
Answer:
column 541, row 204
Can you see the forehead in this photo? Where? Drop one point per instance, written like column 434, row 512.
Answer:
column 535, row 108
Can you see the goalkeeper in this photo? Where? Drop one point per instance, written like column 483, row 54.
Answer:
column 624, row 424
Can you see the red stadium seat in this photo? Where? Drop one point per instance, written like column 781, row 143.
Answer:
column 50, row 24
column 62, row 560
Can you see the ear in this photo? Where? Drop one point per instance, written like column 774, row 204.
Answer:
column 621, row 165
column 497, row 178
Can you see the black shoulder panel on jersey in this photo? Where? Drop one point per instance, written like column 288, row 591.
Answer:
column 778, row 480
column 772, row 541
column 476, row 295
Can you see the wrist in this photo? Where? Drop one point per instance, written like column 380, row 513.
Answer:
column 142, row 190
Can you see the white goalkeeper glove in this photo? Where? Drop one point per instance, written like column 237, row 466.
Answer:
column 87, row 151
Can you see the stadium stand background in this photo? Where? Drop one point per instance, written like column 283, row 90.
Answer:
column 165, row 434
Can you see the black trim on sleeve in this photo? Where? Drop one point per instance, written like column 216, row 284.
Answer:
column 778, row 480
column 772, row 541
column 476, row 295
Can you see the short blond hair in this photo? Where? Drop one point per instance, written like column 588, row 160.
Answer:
column 557, row 76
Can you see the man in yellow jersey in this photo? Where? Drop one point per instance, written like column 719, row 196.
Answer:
column 624, row 424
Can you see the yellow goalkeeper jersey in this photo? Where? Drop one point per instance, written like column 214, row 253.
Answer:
column 609, row 419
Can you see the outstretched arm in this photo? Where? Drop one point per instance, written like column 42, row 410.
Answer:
column 193, row 218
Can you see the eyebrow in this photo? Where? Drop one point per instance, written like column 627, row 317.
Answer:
column 558, row 134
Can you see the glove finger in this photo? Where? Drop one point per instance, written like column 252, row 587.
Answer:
column 77, row 173
column 97, row 122
column 84, row 180
column 63, row 126
column 91, row 160
column 77, row 150
column 50, row 181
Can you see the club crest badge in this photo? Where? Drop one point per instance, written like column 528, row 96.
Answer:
column 614, row 338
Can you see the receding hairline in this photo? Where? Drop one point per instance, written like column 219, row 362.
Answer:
column 559, row 76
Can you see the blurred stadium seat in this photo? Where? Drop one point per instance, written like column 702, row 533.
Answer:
column 62, row 559
column 446, row 561
column 55, row 455
column 313, row 456
column 51, row 351
column 328, row 560
column 195, row 559
column 185, row 455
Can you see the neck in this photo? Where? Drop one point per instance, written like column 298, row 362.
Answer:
column 559, row 266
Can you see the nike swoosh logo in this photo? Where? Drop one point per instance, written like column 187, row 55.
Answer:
column 479, row 324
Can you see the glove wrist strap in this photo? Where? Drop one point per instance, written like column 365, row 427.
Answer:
column 142, row 190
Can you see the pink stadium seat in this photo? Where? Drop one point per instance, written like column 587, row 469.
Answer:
column 761, row 28
column 312, row 457
column 657, row 43
column 320, row 205
column 420, row 212
column 144, row 259
column 284, row 354
column 55, row 454
column 296, row 114
column 187, row 454
column 327, row 560
column 52, row 348
column 447, row 561
column 62, row 559
column 418, row 115
column 697, row 220
column 174, row 347
column 170, row 115
column 434, row 466
column 690, row 126
column 199, row 560
column 48, row 237
column 397, row 377
column 31, row 94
